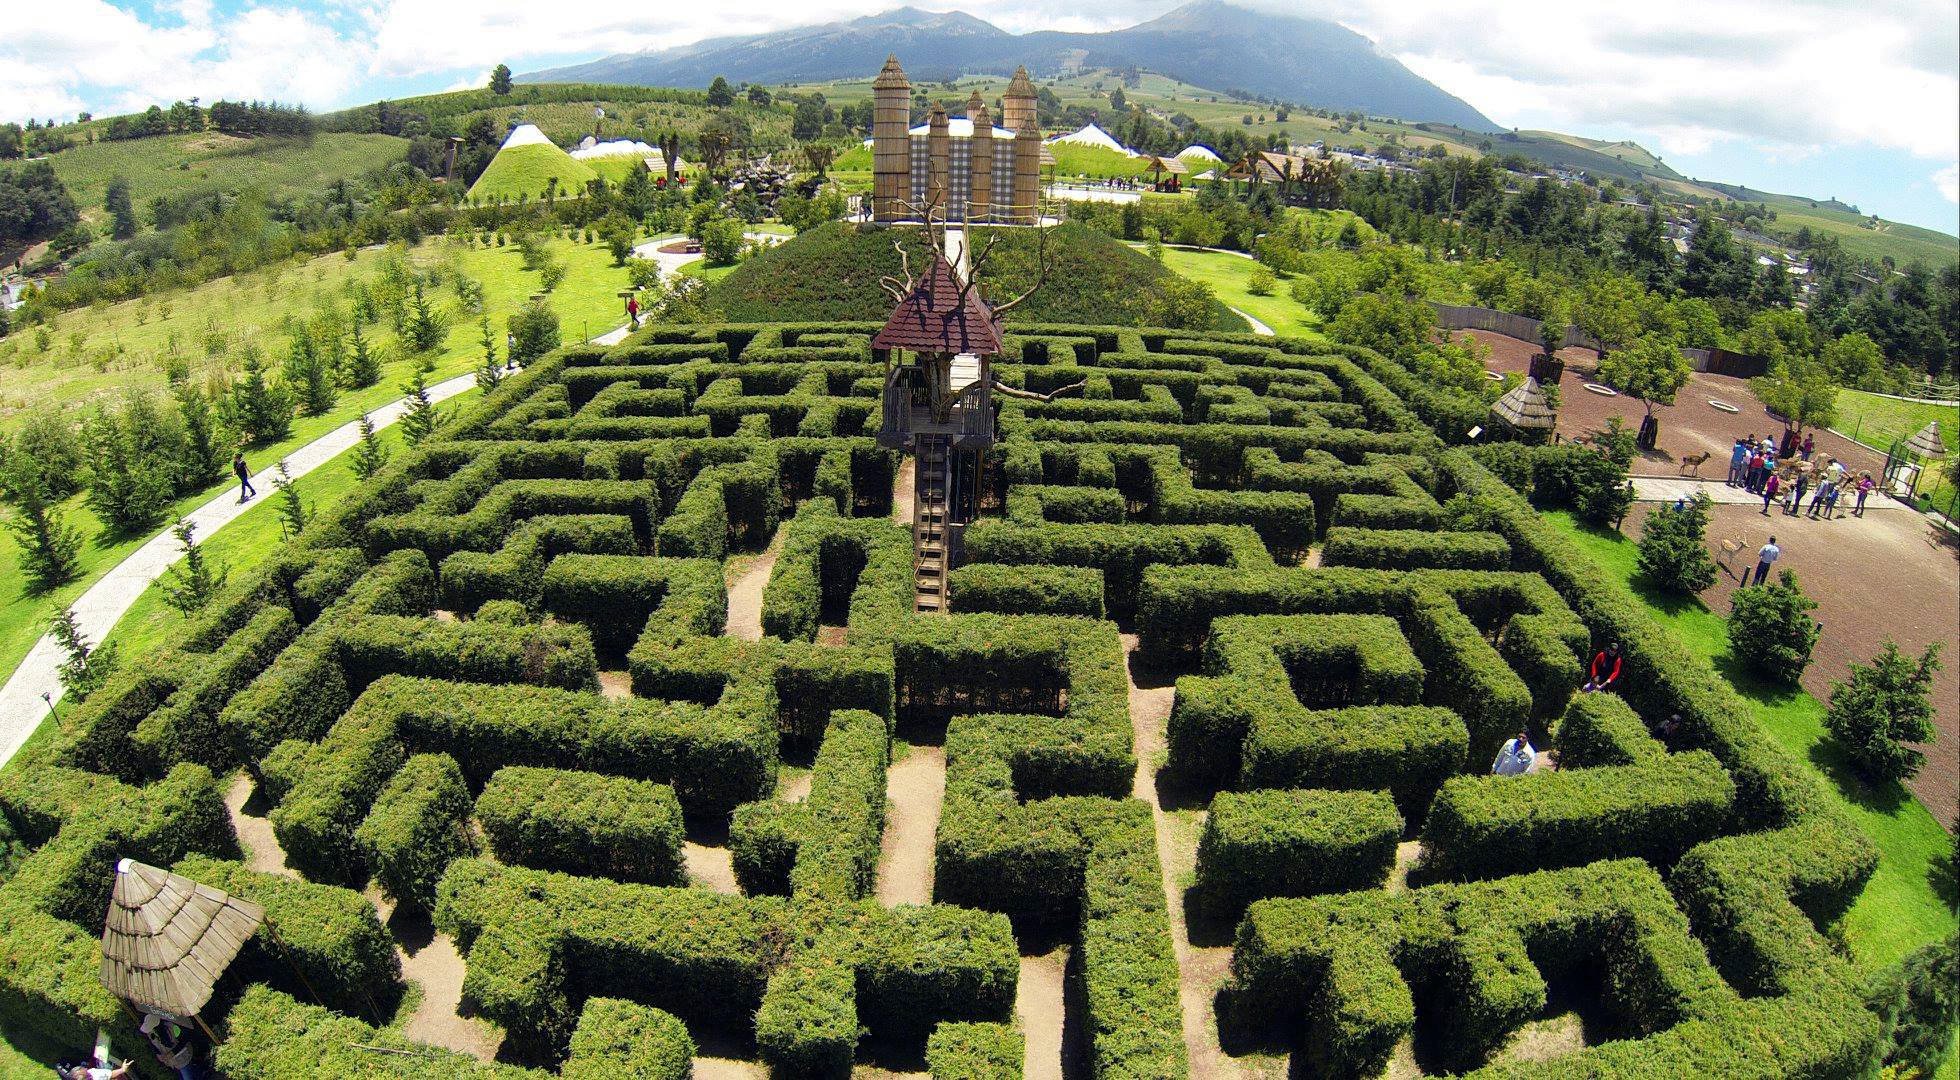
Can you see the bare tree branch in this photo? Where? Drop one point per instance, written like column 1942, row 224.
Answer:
column 1029, row 395
column 1040, row 275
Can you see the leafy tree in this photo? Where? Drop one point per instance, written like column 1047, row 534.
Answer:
column 193, row 582
column 369, row 455
column 618, row 235
column 500, row 80
column 424, row 327
column 807, row 122
column 820, row 156
column 1393, row 327
column 420, row 418
column 50, row 548
column 1598, row 488
column 759, row 97
column 1855, row 360
column 33, row 204
column 1882, row 707
column 256, row 407
column 1800, row 391
column 309, row 374
column 1918, row 1005
column 490, row 370
column 1609, row 312
column 121, row 210
column 47, row 446
column 644, row 274
column 361, row 363
column 1261, row 282
column 1651, row 371
column 720, row 94
column 721, row 241
column 86, row 667
column 1770, row 629
column 292, row 510
column 1674, row 547
column 1183, row 304
column 533, row 332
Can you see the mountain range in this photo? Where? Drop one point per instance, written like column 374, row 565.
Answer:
column 1207, row 43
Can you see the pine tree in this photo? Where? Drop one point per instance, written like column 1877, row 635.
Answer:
column 204, row 456
column 50, row 548
column 127, row 488
column 421, row 418
column 369, row 454
column 121, row 209
column 490, row 372
column 423, row 326
column 362, row 366
column 1881, row 708
column 259, row 408
column 193, row 581
column 308, row 374
column 292, row 511
column 86, row 667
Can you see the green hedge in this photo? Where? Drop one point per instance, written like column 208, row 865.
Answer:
column 582, row 822
column 975, row 1052
column 1259, row 844
column 1027, row 590
column 616, row 1039
column 1410, row 549
column 420, row 821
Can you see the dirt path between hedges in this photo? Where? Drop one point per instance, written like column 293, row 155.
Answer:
column 745, row 593
column 1201, row 969
column 1041, row 1004
column 902, row 491
column 438, row 968
column 915, row 786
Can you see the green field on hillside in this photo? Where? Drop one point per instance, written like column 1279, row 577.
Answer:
column 254, row 308
column 531, row 171
column 176, row 164
column 566, row 122
column 1226, row 273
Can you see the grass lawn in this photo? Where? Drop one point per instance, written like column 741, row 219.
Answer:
column 1910, row 899
column 586, row 303
column 1226, row 274
column 174, row 164
column 1878, row 421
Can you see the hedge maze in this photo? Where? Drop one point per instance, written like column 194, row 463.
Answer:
column 495, row 691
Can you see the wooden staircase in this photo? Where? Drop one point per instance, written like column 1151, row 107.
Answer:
column 931, row 488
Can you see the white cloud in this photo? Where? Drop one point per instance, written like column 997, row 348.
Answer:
column 1947, row 180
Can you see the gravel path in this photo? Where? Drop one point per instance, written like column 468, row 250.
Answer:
column 1257, row 327
column 915, row 787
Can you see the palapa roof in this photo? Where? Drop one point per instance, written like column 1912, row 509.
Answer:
column 1928, row 442
column 1169, row 165
column 166, row 938
column 1524, row 407
column 892, row 77
column 933, row 319
column 1020, row 86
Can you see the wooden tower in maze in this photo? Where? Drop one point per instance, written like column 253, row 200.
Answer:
column 938, row 348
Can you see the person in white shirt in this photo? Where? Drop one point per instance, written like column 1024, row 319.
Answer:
column 1764, row 558
column 1515, row 758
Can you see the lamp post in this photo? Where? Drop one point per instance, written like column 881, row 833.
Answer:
column 49, row 698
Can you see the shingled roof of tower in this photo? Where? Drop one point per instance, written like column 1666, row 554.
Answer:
column 933, row 319
column 892, row 76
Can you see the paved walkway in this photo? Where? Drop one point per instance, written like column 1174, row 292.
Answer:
column 1668, row 489
column 25, row 700
column 1257, row 327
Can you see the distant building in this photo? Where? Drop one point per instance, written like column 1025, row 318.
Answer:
column 11, row 292
column 968, row 167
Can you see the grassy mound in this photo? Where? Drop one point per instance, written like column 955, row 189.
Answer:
column 831, row 273
column 526, row 171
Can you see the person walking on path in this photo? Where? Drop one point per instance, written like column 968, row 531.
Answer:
column 244, row 471
column 1769, row 492
column 1865, row 486
column 633, row 312
column 1515, row 757
column 1764, row 558
column 1831, row 501
column 1605, row 670
column 1738, row 463
column 1795, row 505
column 1809, row 447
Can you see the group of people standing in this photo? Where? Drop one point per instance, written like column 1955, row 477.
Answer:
column 1787, row 472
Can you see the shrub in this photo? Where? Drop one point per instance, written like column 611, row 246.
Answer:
column 616, row 1039
column 1918, row 1003
column 584, row 823
column 1770, row 629
column 1261, row 282
column 1674, row 547
column 419, row 823
column 1028, row 590
column 1882, row 707
column 975, row 1052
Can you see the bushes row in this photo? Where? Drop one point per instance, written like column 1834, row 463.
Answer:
column 586, row 823
column 1259, row 844
column 1413, row 549
column 420, row 821
column 1027, row 590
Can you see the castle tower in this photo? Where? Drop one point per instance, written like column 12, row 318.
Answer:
column 1017, row 109
column 891, row 142
column 1027, row 174
column 980, row 186
column 939, row 152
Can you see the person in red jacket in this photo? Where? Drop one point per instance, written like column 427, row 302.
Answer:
column 1605, row 670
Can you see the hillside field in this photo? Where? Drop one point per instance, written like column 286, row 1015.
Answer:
column 175, row 164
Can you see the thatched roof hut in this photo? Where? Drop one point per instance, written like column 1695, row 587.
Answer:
column 1524, row 407
column 167, row 938
column 1927, row 443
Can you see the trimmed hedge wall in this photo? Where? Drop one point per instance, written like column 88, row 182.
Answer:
column 1259, row 844
column 616, row 1039
column 419, row 822
column 582, row 822
column 1027, row 590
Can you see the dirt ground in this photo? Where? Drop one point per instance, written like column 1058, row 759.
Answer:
column 1887, row 574
column 1689, row 427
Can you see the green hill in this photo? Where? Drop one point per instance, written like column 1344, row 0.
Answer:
column 173, row 165
column 831, row 273
column 526, row 171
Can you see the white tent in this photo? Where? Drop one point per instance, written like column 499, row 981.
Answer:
column 1094, row 136
column 1200, row 152
column 526, row 135
column 615, row 148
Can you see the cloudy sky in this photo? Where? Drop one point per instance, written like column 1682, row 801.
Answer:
column 1858, row 99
